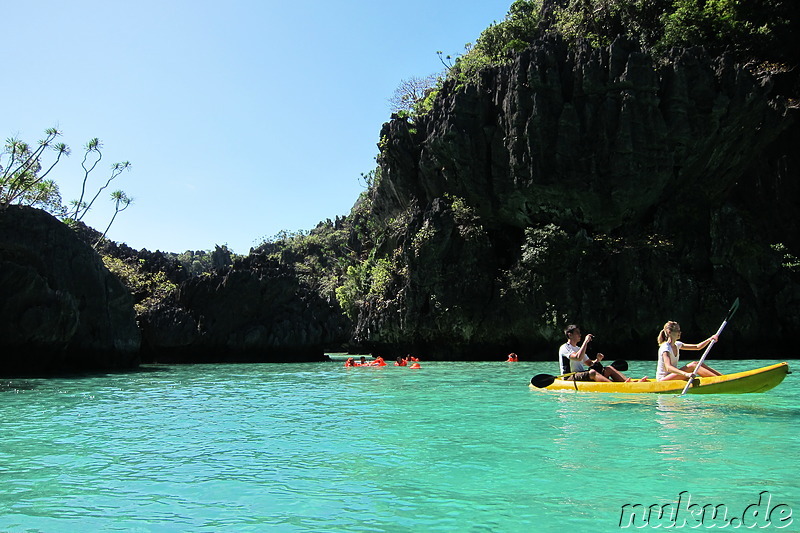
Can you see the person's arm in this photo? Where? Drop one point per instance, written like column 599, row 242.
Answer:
column 597, row 358
column 581, row 354
column 672, row 369
column 701, row 345
column 566, row 352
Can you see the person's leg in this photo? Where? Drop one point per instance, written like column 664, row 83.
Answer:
column 614, row 375
column 709, row 369
column 704, row 371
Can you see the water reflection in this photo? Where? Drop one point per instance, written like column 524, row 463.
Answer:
column 568, row 428
column 16, row 386
column 688, row 428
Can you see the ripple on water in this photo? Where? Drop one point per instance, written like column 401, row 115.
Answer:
column 317, row 447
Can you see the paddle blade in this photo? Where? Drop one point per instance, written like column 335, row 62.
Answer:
column 541, row 381
column 732, row 310
column 621, row 365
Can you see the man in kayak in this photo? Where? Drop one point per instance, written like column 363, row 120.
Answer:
column 571, row 356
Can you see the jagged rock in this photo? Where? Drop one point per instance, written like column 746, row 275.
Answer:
column 256, row 310
column 62, row 310
column 588, row 185
column 148, row 261
column 611, row 191
column 594, row 137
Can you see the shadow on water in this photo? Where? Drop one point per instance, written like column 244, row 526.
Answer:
column 31, row 382
column 16, row 386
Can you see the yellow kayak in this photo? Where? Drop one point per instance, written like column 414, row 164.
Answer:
column 757, row 380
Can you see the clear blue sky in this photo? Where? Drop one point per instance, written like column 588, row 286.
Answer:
column 240, row 118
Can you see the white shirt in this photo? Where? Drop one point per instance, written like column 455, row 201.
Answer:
column 674, row 357
column 575, row 365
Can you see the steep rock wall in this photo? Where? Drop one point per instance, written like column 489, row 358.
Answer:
column 603, row 189
column 256, row 310
column 60, row 308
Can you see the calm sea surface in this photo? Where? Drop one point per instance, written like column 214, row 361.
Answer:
column 319, row 447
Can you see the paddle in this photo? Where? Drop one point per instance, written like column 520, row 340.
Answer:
column 541, row 381
column 693, row 375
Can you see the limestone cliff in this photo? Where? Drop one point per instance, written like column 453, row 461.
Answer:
column 585, row 185
column 60, row 309
column 591, row 186
column 255, row 310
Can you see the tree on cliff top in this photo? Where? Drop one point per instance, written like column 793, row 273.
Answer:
column 498, row 42
column 410, row 92
column 91, row 157
column 22, row 180
column 121, row 203
column 751, row 29
column 23, row 176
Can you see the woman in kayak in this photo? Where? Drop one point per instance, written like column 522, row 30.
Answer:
column 669, row 348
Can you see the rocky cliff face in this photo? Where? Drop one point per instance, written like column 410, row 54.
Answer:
column 60, row 309
column 255, row 310
column 590, row 186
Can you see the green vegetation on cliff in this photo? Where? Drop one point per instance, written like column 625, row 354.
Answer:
column 23, row 176
column 751, row 30
column 508, row 199
column 24, row 170
column 333, row 257
column 148, row 288
column 535, row 177
column 555, row 172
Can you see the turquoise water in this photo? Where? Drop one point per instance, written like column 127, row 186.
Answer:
column 318, row 447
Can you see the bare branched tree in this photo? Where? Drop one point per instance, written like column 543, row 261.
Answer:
column 411, row 91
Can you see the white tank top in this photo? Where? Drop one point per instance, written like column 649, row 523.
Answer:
column 674, row 357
